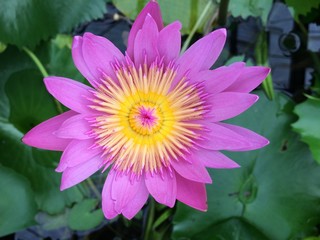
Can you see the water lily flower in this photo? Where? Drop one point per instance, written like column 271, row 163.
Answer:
column 152, row 116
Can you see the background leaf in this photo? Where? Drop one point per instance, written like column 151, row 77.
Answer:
column 25, row 103
column 186, row 11
column 274, row 195
column 26, row 22
column 308, row 125
column 302, row 9
column 247, row 8
column 14, row 213
column 83, row 216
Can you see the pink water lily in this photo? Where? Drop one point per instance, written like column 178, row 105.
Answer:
column 152, row 115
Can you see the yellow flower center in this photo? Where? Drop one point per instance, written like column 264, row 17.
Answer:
column 144, row 124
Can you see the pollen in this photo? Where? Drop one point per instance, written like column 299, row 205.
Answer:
column 143, row 121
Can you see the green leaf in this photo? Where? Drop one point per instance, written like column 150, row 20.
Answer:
column 302, row 9
column 308, row 125
column 17, row 205
column 27, row 22
column 186, row 11
column 247, row 8
column 3, row 47
column 25, row 103
column 83, row 215
column 275, row 193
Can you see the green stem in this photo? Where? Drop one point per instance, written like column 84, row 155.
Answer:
column 36, row 60
column 43, row 71
column 223, row 12
column 196, row 26
column 93, row 188
column 261, row 53
column 150, row 219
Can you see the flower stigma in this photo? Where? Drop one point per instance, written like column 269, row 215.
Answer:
column 143, row 122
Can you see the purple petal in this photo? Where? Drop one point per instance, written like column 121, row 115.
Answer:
column 249, row 79
column 124, row 190
column 219, row 79
column 77, row 152
column 218, row 137
column 107, row 202
column 162, row 186
column 202, row 54
column 136, row 203
column 70, row 93
column 74, row 175
column 212, row 159
column 255, row 140
column 41, row 136
column 98, row 54
column 145, row 44
column 79, row 60
column 153, row 9
column 75, row 127
column 227, row 105
column 169, row 42
column 194, row 171
column 192, row 193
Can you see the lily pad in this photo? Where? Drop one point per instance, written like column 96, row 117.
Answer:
column 186, row 11
column 27, row 22
column 13, row 188
column 274, row 195
column 308, row 125
column 83, row 215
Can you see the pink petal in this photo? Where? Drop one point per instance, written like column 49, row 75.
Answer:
column 249, row 79
column 77, row 152
column 218, row 137
column 212, row 159
column 227, row 105
column 169, row 42
column 99, row 54
column 136, row 203
column 219, row 79
column 41, row 136
column 192, row 193
column 145, row 44
column 70, row 93
column 75, row 127
column 162, row 186
column 255, row 140
column 153, row 9
column 124, row 190
column 74, row 175
column 79, row 61
column 194, row 171
column 202, row 54
column 107, row 202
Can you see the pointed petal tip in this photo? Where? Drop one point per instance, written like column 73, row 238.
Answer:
column 223, row 31
column 76, row 41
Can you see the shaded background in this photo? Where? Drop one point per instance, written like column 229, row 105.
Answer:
column 274, row 195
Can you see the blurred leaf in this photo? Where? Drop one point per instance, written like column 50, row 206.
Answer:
column 274, row 195
column 308, row 125
column 261, row 53
column 302, row 9
column 3, row 47
column 247, row 8
column 25, row 103
column 27, row 22
column 17, row 205
column 83, row 215
column 187, row 11
column 60, row 61
column 62, row 40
